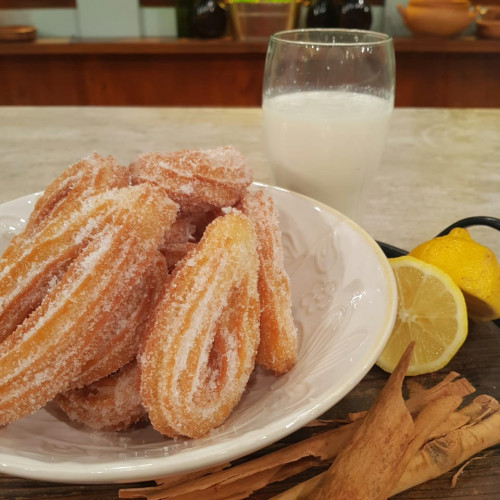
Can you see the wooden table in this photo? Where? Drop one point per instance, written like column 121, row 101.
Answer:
column 439, row 166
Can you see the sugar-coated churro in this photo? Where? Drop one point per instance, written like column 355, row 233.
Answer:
column 278, row 334
column 201, row 346
column 49, row 349
column 196, row 178
column 147, row 290
column 110, row 404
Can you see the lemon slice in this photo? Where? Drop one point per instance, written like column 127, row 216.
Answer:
column 431, row 312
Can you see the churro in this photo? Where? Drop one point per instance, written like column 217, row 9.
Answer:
column 201, row 345
column 278, row 334
column 110, row 404
column 48, row 350
column 119, row 343
column 36, row 258
column 88, row 177
column 166, row 275
column 196, row 178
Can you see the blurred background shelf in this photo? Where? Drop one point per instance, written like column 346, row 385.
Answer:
column 459, row 72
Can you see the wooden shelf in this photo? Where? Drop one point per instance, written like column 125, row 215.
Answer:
column 134, row 46
column 460, row 72
column 463, row 45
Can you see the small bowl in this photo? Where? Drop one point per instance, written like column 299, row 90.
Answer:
column 17, row 33
column 443, row 18
column 488, row 22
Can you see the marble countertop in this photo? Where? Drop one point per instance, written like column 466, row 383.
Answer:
column 440, row 165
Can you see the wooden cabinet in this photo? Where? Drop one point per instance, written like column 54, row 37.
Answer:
column 461, row 72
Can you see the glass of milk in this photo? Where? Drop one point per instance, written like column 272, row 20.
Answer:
column 327, row 99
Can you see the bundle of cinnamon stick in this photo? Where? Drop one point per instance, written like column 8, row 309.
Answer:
column 392, row 447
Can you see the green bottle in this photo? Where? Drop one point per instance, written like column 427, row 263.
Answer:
column 184, row 13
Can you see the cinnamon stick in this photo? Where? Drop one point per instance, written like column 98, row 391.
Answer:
column 364, row 469
column 290, row 460
column 438, row 456
column 443, row 454
column 240, row 481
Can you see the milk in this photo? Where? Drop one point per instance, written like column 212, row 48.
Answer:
column 326, row 143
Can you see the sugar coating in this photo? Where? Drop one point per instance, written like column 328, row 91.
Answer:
column 202, row 343
column 218, row 177
column 89, row 176
column 112, row 403
column 278, row 347
column 45, row 238
column 120, row 340
column 44, row 354
column 88, row 278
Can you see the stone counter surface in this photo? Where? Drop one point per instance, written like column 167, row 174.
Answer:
column 440, row 165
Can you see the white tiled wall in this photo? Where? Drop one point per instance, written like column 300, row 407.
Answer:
column 377, row 18
column 393, row 23
column 96, row 19
column 48, row 22
column 108, row 18
column 158, row 21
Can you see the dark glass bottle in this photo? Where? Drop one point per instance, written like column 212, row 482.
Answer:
column 209, row 19
column 184, row 15
column 355, row 14
column 322, row 14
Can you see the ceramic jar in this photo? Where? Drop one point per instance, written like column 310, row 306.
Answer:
column 437, row 17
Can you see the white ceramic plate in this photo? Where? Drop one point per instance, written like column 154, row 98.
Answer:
column 344, row 304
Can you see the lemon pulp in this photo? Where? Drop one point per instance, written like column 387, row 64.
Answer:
column 431, row 311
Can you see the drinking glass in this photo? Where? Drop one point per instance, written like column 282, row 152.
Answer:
column 328, row 96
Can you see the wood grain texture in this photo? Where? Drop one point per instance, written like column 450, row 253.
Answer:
column 192, row 80
column 480, row 480
column 171, row 72
column 130, row 46
column 448, row 80
column 171, row 45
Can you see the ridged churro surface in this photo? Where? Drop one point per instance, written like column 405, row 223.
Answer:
column 201, row 347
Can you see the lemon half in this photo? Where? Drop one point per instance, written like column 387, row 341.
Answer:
column 431, row 312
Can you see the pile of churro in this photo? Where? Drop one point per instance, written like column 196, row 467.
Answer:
column 147, row 291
